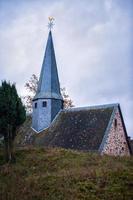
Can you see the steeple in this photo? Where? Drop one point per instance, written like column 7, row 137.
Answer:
column 48, row 100
column 49, row 86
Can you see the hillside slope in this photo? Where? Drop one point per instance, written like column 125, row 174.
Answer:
column 66, row 175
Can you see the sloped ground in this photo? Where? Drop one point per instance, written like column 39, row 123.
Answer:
column 58, row 174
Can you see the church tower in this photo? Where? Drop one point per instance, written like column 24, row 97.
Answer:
column 48, row 100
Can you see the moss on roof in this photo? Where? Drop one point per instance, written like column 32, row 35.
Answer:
column 80, row 129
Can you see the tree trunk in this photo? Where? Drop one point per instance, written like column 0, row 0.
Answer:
column 9, row 145
column 9, row 138
column 6, row 146
column 11, row 149
column 13, row 160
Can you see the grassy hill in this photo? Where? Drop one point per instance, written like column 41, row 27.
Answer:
column 58, row 174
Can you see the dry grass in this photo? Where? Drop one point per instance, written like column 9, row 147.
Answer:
column 58, row 174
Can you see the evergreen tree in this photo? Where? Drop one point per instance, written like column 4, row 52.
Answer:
column 12, row 115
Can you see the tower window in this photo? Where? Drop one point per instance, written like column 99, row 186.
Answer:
column 35, row 105
column 44, row 104
column 115, row 123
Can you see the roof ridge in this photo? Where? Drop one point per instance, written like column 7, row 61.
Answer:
column 91, row 107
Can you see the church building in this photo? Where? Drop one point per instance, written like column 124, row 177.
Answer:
column 94, row 128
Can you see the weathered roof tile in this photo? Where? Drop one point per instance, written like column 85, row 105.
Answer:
column 81, row 129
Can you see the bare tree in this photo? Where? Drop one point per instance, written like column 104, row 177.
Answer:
column 31, row 87
column 68, row 103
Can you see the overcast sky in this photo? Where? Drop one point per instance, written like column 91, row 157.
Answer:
column 93, row 46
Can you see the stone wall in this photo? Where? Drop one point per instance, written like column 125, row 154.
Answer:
column 116, row 141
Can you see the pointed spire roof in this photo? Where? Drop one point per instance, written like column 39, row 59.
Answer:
column 49, row 86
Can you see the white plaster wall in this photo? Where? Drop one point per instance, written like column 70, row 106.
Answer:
column 116, row 141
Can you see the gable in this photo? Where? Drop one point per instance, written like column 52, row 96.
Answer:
column 116, row 142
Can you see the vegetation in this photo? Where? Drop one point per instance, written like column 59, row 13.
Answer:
column 58, row 174
column 31, row 87
column 12, row 115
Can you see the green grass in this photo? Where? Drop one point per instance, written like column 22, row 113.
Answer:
column 58, row 174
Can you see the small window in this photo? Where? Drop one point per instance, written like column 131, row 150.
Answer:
column 115, row 124
column 35, row 105
column 44, row 104
column 122, row 148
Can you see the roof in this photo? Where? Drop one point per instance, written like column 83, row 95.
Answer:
column 84, row 128
column 48, row 86
column 78, row 128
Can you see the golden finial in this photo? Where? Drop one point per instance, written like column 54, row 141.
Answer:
column 50, row 23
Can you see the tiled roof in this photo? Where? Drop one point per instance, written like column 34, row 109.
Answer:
column 78, row 128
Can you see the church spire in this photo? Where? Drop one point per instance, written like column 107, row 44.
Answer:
column 48, row 99
column 49, row 86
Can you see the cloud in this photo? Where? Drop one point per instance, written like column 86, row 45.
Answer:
column 93, row 44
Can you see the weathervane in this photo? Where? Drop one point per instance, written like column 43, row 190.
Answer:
column 50, row 23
